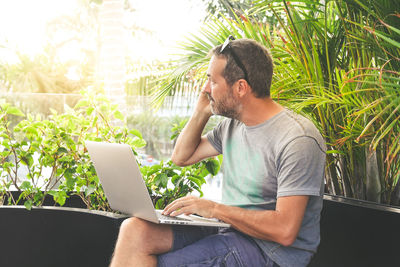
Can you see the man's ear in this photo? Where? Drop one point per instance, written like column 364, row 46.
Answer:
column 243, row 88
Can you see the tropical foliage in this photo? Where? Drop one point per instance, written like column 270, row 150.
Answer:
column 337, row 63
column 42, row 157
column 52, row 151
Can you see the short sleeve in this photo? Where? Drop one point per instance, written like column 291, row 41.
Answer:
column 300, row 167
column 215, row 136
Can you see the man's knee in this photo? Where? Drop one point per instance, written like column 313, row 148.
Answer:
column 144, row 236
column 135, row 228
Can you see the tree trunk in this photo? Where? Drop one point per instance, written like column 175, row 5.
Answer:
column 332, row 179
column 345, row 177
column 373, row 184
column 395, row 196
column 359, row 172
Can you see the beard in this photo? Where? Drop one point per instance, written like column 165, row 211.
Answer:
column 227, row 106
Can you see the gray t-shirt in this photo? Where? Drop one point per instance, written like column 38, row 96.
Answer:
column 284, row 156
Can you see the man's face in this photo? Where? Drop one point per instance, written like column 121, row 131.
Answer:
column 222, row 99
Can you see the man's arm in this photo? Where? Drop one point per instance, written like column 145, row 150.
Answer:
column 190, row 146
column 281, row 225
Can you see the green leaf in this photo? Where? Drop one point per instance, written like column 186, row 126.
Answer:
column 52, row 193
column 82, row 103
column 139, row 143
column 160, row 204
column 220, row 159
column 38, row 196
column 28, row 204
column 161, row 180
column 89, row 111
column 195, row 180
column 61, row 198
column 26, row 185
column 334, row 152
column 136, row 133
column 118, row 136
column 176, row 179
column 14, row 111
column 212, row 166
column 119, row 115
column 90, row 189
column 173, row 136
column 6, row 143
column 70, row 183
column 94, row 122
column 68, row 173
column 154, row 169
column 31, row 130
column 61, row 150
column 28, row 160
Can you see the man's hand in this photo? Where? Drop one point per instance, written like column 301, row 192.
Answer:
column 190, row 146
column 191, row 205
column 203, row 103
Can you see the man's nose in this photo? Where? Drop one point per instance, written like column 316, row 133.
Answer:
column 207, row 87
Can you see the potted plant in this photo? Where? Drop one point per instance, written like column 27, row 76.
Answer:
column 57, row 170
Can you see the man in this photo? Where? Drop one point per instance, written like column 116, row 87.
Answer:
column 273, row 176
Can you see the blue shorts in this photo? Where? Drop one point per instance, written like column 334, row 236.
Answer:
column 210, row 246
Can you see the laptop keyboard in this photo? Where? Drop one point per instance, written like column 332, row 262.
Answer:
column 166, row 217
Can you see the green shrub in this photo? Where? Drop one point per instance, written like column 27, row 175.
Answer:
column 57, row 163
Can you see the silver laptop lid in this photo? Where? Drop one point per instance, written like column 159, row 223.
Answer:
column 114, row 163
column 125, row 188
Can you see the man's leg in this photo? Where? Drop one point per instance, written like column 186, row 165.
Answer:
column 139, row 241
column 227, row 248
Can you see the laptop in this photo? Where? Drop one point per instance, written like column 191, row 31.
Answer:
column 125, row 189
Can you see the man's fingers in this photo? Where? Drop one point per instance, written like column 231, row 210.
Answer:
column 183, row 210
column 183, row 205
column 173, row 206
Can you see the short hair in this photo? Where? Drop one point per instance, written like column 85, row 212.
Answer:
column 257, row 61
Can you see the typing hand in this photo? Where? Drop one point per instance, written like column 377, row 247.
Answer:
column 191, row 205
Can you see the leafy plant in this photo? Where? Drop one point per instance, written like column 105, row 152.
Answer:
column 56, row 162
column 167, row 182
column 53, row 153
column 336, row 62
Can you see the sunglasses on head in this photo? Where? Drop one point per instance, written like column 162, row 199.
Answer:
column 227, row 47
